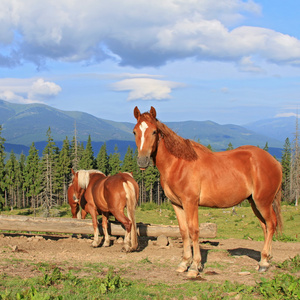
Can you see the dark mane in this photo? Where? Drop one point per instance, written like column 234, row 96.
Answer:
column 176, row 145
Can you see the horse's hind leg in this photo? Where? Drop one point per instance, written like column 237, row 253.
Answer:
column 120, row 216
column 268, row 221
column 104, row 226
column 94, row 214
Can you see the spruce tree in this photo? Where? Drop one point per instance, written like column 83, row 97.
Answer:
column 295, row 167
column 128, row 162
column 74, row 154
column 2, row 170
column 150, row 179
column 22, row 163
column 114, row 162
column 102, row 160
column 286, row 168
column 48, row 165
column 32, row 177
column 266, row 147
column 11, row 179
column 87, row 161
column 229, row 147
column 63, row 172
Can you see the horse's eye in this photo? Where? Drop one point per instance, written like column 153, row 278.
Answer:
column 154, row 132
column 134, row 132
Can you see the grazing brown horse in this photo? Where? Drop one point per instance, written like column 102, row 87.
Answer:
column 102, row 194
column 192, row 175
column 74, row 203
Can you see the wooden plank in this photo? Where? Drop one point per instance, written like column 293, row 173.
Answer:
column 69, row 225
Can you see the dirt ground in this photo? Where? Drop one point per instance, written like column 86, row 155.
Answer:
column 232, row 259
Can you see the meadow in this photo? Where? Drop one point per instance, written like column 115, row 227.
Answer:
column 84, row 281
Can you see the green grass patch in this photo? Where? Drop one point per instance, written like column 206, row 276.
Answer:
column 59, row 283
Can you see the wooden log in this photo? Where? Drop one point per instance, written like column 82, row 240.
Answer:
column 75, row 226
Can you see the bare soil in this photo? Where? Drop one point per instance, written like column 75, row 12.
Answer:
column 232, row 259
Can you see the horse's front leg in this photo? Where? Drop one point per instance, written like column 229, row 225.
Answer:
column 191, row 213
column 183, row 227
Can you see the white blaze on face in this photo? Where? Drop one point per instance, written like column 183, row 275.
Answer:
column 143, row 128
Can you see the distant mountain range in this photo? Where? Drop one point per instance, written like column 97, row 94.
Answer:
column 23, row 124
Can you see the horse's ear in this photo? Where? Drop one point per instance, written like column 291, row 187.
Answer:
column 73, row 172
column 153, row 112
column 136, row 112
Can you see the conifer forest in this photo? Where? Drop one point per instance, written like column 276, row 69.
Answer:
column 41, row 180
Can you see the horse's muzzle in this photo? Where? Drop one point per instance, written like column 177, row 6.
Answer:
column 143, row 162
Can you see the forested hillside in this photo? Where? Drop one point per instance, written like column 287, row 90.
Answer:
column 41, row 180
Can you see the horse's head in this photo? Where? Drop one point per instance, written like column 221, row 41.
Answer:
column 79, row 184
column 146, row 136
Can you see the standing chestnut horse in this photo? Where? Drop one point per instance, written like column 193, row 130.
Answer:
column 192, row 175
column 100, row 194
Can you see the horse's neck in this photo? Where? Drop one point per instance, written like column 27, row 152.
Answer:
column 163, row 157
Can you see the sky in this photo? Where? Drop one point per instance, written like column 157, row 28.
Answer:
column 229, row 61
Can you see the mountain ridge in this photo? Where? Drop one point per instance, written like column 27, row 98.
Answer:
column 23, row 124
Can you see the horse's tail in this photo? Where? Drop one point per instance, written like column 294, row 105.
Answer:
column 277, row 209
column 131, row 199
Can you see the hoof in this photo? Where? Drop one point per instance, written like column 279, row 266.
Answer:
column 192, row 273
column 262, row 269
column 95, row 244
column 181, row 269
column 126, row 249
column 106, row 244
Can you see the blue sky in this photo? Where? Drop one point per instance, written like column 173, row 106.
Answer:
column 227, row 61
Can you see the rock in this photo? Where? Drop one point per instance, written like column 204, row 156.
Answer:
column 162, row 241
column 120, row 240
column 244, row 273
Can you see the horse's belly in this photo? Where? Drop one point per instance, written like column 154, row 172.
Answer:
column 222, row 201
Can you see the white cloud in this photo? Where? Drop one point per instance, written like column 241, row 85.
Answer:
column 246, row 64
column 42, row 89
column 138, row 32
column 285, row 115
column 146, row 88
column 30, row 90
column 11, row 97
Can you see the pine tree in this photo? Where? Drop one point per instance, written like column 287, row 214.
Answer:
column 286, row 169
column 22, row 163
column 209, row 147
column 2, row 170
column 128, row 162
column 63, row 172
column 11, row 179
column 102, row 160
column 295, row 167
column 49, row 163
column 74, row 154
column 87, row 161
column 230, row 147
column 266, row 147
column 32, row 177
column 150, row 179
column 114, row 162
